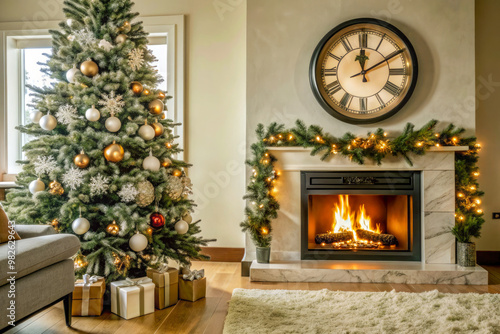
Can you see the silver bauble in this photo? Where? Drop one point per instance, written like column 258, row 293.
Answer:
column 48, row 122
column 120, row 39
column 92, row 114
column 146, row 194
column 36, row 186
column 181, row 227
column 138, row 242
column 80, row 225
column 71, row 75
column 151, row 163
column 113, row 124
column 35, row 116
column 146, row 132
column 187, row 218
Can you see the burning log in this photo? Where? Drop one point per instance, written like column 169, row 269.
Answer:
column 385, row 239
column 329, row 238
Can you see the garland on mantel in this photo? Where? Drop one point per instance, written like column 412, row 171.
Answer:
column 263, row 207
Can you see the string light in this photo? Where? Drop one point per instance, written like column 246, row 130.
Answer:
column 290, row 137
column 264, row 231
column 479, row 211
column 437, row 135
column 261, row 206
column 271, row 139
column 477, row 200
column 280, row 136
column 385, row 134
column 168, row 145
column 472, row 188
column 460, row 195
column 454, row 139
column 419, row 144
column 475, row 173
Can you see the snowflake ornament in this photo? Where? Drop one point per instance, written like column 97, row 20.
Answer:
column 99, row 185
column 128, row 193
column 66, row 114
column 74, row 178
column 113, row 104
column 44, row 165
column 136, row 59
column 85, row 37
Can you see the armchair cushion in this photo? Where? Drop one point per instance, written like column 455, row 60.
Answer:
column 5, row 227
column 31, row 231
column 35, row 253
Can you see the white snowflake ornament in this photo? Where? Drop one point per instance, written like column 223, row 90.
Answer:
column 128, row 193
column 44, row 165
column 111, row 103
column 104, row 44
column 66, row 114
column 74, row 178
column 85, row 37
column 136, row 59
column 99, row 185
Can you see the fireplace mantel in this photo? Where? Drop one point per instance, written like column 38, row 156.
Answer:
column 437, row 169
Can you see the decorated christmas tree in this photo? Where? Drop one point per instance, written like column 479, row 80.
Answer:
column 102, row 162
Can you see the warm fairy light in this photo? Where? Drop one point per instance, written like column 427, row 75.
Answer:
column 385, row 134
column 419, row 144
column 323, row 244
column 477, row 200
column 454, row 139
column 349, row 147
column 477, row 145
column 460, row 195
column 461, row 217
column 437, row 145
column 319, row 139
column 168, row 145
column 278, row 173
column 280, row 136
column 290, row 137
column 475, row 173
column 272, row 138
column 261, row 206
column 54, row 223
column 275, row 190
column 177, row 173
column 264, row 231
column 472, row 188
column 149, row 230
column 437, row 135
column 479, row 211
column 372, row 136
column 268, row 179
column 265, row 161
column 253, row 203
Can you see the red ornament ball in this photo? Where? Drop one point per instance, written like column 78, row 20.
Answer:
column 156, row 220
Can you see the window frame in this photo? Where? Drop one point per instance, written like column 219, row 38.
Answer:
column 170, row 27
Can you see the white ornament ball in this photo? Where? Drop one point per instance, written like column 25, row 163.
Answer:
column 181, row 227
column 48, row 122
column 113, row 124
column 35, row 116
column 151, row 163
column 138, row 242
column 92, row 114
column 36, row 186
column 69, row 22
column 71, row 75
column 146, row 132
column 187, row 218
column 80, row 225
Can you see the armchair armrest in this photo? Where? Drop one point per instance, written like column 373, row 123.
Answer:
column 31, row 231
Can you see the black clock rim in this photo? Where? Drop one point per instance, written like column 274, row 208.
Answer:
column 314, row 61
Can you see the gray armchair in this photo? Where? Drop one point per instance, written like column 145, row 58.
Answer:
column 43, row 272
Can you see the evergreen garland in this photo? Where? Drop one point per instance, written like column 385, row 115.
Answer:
column 263, row 207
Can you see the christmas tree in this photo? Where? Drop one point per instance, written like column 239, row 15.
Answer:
column 102, row 164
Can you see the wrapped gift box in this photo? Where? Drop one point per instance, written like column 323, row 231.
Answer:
column 192, row 290
column 132, row 298
column 166, row 286
column 88, row 296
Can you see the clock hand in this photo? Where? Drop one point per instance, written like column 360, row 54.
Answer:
column 362, row 58
column 392, row 55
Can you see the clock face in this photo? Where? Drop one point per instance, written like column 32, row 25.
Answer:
column 363, row 71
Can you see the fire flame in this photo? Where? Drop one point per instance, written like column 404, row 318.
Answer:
column 344, row 219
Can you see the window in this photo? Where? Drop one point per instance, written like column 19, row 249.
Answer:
column 22, row 50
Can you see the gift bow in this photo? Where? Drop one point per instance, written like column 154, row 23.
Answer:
column 131, row 282
column 89, row 280
column 163, row 268
column 194, row 275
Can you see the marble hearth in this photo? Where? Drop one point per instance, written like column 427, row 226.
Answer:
column 437, row 169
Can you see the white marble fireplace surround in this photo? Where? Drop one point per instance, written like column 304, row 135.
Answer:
column 438, row 244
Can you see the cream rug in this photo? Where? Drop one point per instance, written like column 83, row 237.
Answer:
column 325, row 311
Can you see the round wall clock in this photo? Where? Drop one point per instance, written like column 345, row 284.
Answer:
column 363, row 71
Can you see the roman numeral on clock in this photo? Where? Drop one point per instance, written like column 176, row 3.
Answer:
column 337, row 58
column 379, row 99
column 330, row 71
column 392, row 88
column 381, row 40
column 396, row 71
column 333, row 87
column 362, row 103
column 363, row 40
column 346, row 44
column 346, row 100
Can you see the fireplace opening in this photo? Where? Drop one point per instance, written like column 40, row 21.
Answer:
column 361, row 215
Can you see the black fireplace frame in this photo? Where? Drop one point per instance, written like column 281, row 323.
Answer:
column 363, row 183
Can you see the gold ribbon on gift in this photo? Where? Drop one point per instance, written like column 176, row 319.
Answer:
column 87, row 282
column 132, row 282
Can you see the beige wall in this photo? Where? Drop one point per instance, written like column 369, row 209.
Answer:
column 488, row 116
column 215, row 100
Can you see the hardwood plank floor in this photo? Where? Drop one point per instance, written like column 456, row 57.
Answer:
column 207, row 315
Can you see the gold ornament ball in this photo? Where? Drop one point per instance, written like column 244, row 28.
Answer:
column 161, row 95
column 156, row 107
column 81, row 160
column 167, row 162
column 55, row 188
column 126, row 27
column 136, row 87
column 159, row 129
column 146, row 91
column 177, row 173
column 120, row 39
column 89, row 68
column 54, row 223
column 114, row 152
column 162, row 116
column 113, row 228
column 146, row 193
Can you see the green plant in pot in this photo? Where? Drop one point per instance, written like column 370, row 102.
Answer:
column 464, row 231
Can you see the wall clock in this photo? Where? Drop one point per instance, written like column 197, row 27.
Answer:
column 363, row 71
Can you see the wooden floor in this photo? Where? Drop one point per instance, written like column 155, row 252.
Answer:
column 207, row 315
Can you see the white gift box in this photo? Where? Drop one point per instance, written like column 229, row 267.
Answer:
column 132, row 298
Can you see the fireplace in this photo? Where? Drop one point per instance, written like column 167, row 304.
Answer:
column 361, row 216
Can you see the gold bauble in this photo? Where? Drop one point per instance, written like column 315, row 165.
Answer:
column 156, row 107
column 166, row 163
column 159, row 129
column 149, row 231
column 55, row 188
column 126, row 27
column 114, row 152
column 146, row 91
column 177, row 173
column 136, row 87
column 89, row 68
column 161, row 95
column 113, row 228
column 163, row 116
column 120, row 39
column 146, row 194
column 81, row 160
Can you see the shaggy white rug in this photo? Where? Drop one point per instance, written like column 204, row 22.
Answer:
column 291, row 311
